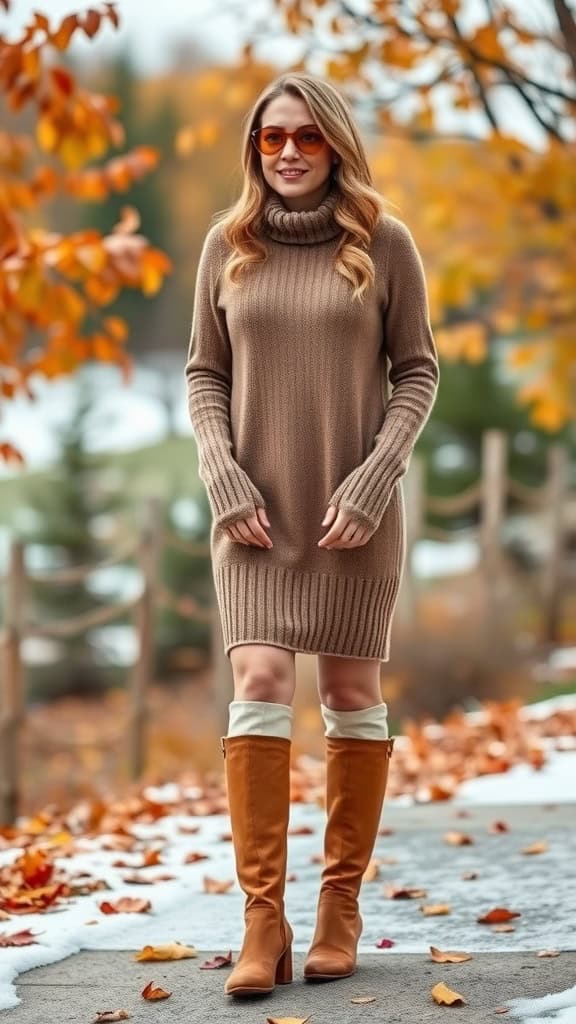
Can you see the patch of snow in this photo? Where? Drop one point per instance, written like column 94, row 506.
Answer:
column 558, row 1006
column 555, row 783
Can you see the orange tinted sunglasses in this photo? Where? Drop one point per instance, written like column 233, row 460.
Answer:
column 270, row 140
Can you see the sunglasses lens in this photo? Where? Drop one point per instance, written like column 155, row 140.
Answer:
column 309, row 140
column 272, row 140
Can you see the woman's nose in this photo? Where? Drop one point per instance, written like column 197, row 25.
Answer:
column 289, row 148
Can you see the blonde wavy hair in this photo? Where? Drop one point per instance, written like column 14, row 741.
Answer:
column 359, row 206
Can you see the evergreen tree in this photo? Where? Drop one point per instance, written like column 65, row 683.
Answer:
column 68, row 510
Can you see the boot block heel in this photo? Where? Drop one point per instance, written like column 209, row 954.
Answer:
column 284, row 968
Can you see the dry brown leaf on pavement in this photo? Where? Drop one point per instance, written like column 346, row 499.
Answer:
column 193, row 857
column 363, row 999
column 301, row 830
column 218, row 961
column 498, row 915
column 499, row 826
column 445, row 996
column 541, row 847
column 440, row 956
column 109, row 1016
column 502, row 1009
column 436, row 909
column 458, row 839
column 548, row 952
column 394, row 892
column 125, row 905
column 470, row 876
column 150, row 992
column 213, row 885
column 169, row 951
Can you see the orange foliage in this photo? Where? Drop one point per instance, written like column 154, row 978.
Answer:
column 52, row 284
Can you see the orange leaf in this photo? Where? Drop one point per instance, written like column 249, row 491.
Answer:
column 444, row 996
column 498, row 915
column 214, row 886
column 169, row 951
column 541, row 847
column 448, row 957
column 64, row 32
column 287, row 1020
column 125, row 905
column 91, row 22
column 436, row 909
column 149, row 992
column 393, row 892
column 458, row 839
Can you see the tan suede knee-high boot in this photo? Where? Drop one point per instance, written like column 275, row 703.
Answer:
column 258, row 783
column 356, row 778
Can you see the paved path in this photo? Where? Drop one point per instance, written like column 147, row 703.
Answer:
column 75, row 989
column 542, row 888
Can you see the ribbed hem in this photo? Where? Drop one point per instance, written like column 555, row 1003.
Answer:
column 310, row 612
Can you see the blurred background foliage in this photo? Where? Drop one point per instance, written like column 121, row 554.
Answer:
column 493, row 214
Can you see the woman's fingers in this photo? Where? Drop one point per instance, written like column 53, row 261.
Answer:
column 249, row 531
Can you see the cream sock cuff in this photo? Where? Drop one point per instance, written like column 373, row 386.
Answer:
column 259, row 717
column 362, row 723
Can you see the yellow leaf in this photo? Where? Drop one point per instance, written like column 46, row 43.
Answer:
column 287, row 1020
column 46, row 133
column 445, row 996
column 436, row 909
column 169, row 951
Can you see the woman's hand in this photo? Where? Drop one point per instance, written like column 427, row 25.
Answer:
column 345, row 531
column 250, row 531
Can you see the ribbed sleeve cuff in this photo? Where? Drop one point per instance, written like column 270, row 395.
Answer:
column 231, row 494
column 367, row 490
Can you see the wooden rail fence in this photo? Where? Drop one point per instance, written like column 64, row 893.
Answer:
column 489, row 496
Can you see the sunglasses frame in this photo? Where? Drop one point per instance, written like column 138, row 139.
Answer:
column 287, row 135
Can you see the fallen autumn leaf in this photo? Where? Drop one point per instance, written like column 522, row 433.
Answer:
column 445, row 996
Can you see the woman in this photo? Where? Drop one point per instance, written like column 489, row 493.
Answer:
column 305, row 288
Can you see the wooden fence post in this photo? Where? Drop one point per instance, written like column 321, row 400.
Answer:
column 12, row 688
column 492, row 511
column 142, row 672
column 556, row 489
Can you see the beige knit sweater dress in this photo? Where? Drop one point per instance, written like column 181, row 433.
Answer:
column 300, row 398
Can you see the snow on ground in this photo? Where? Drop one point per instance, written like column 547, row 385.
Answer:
column 558, row 1006
column 182, row 911
column 555, row 783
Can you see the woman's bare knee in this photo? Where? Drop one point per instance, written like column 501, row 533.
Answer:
column 263, row 672
column 345, row 684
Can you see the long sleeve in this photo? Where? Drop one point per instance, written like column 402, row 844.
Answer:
column 413, row 374
column 208, row 371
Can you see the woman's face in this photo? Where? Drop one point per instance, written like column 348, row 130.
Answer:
column 307, row 189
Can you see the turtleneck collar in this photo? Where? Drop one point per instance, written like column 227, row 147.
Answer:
column 300, row 227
